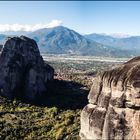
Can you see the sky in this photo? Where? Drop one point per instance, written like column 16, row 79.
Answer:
column 82, row 16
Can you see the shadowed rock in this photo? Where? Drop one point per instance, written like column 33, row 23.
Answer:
column 23, row 72
column 113, row 111
column 1, row 47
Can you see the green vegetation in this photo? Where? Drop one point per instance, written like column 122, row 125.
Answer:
column 24, row 121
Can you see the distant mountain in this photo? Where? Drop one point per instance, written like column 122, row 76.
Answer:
column 125, row 43
column 61, row 40
column 119, row 35
column 4, row 35
column 129, row 43
column 15, row 33
column 101, row 38
column 2, row 38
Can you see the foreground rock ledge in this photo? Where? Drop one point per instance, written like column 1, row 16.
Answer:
column 23, row 72
column 113, row 111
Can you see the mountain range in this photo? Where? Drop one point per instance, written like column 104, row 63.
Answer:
column 62, row 40
column 126, row 43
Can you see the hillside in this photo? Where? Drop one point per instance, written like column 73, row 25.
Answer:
column 131, row 44
column 61, row 40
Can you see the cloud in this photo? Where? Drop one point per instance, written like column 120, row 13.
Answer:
column 27, row 27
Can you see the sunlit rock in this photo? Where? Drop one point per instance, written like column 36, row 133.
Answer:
column 113, row 111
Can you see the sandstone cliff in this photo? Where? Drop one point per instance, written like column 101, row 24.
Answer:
column 113, row 111
column 23, row 72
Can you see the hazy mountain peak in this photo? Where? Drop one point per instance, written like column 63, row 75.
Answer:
column 62, row 40
column 119, row 35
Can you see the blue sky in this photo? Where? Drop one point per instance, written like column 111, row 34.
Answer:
column 84, row 17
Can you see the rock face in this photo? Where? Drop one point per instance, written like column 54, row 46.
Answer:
column 1, row 47
column 23, row 72
column 113, row 111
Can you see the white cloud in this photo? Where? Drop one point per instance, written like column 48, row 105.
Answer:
column 27, row 27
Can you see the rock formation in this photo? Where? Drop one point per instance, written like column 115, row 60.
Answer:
column 113, row 111
column 23, row 73
column 1, row 47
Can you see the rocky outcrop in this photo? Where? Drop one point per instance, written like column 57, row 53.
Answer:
column 23, row 72
column 1, row 47
column 113, row 111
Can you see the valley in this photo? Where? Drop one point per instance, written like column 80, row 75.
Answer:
column 58, row 115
